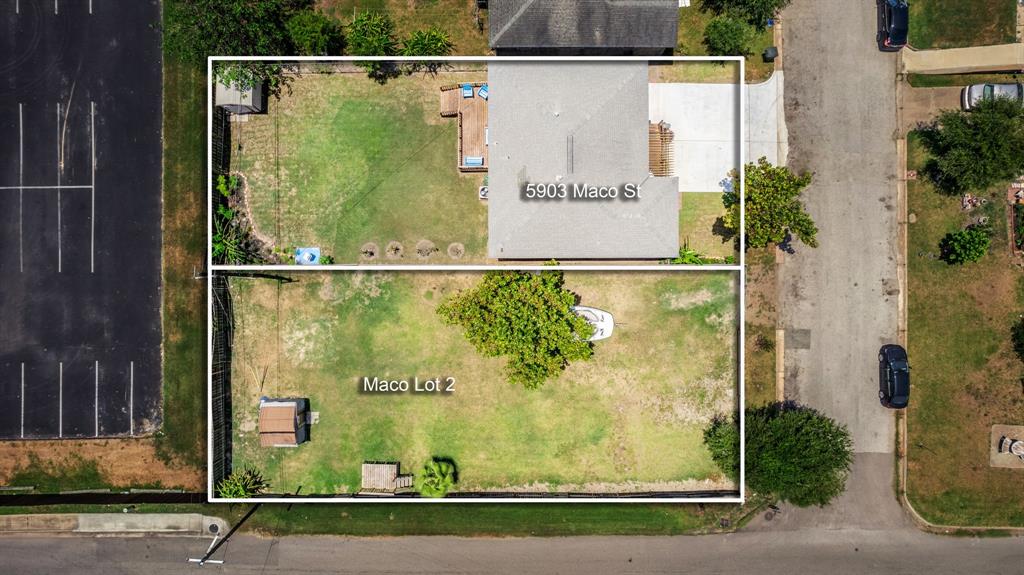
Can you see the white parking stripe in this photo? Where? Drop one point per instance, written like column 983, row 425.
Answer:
column 131, row 399
column 60, row 408
column 55, row 11
column 96, row 399
column 23, row 400
column 92, row 217
column 21, row 191
column 60, row 161
column 63, row 187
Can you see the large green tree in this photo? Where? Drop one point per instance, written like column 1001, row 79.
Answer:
column 971, row 151
column 526, row 317
column 793, row 452
column 773, row 206
column 196, row 29
column 756, row 12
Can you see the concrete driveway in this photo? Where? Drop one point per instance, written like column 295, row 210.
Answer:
column 705, row 120
column 839, row 302
column 922, row 105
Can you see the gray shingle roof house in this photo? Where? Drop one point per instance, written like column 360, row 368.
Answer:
column 573, row 124
column 584, row 27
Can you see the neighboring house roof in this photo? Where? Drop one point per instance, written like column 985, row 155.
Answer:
column 583, row 23
column 575, row 122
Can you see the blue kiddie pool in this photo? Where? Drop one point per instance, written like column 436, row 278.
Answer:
column 467, row 90
column 307, row 256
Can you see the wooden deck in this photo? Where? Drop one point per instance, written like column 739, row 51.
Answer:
column 472, row 118
column 383, row 479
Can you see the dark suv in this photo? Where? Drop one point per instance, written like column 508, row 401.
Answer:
column 893, row 23
column 893, row 376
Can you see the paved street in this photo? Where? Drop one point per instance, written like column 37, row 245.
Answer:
column 788, row 553
column 839, row 302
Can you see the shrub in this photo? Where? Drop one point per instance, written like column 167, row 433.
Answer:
column 437, row 478
column 373, row 34
column 526, row 317
column 242, row 484
column 793, row 452
column 430, row 42
column 964, row 246
column 1017, row 336
column 756, row 12
column 728, row 36
column 314, row 34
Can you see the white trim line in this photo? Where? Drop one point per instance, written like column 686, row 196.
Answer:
column 611, row 268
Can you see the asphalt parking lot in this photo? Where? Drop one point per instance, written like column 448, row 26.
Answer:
column 80, row 218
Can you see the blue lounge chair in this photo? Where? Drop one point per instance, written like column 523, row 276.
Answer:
column 467, row 90
column 483, row 92
column 473, row 160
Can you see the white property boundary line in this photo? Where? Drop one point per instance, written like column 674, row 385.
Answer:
column 739, row 268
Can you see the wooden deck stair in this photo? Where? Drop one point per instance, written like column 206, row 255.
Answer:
column 662, row 155
column 384, row 478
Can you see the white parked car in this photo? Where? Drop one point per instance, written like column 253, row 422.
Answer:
column 971, row 95
column 602, row 321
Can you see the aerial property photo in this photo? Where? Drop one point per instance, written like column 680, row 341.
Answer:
column 497, row 384
column 471, row 162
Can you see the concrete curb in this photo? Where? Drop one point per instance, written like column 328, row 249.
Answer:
column 98, row 524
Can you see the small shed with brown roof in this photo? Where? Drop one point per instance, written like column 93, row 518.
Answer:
column 283, row 422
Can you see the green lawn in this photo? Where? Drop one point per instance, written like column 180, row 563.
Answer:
column 463, row 520
column 457, row 17
column 943, row 80
column 342, row 161
column 966, row 377
column 959, row 23
column 631, row 416
column 183, row 435
column 692, row 22
column 698, row 227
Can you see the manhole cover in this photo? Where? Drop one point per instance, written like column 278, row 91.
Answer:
column 798, row 339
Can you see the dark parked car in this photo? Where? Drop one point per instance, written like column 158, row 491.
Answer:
column 893, row 24
column 975, row 93
column 893, row 376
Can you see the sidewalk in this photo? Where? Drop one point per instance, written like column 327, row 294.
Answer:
column 189, row 524
column 1004, row 57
